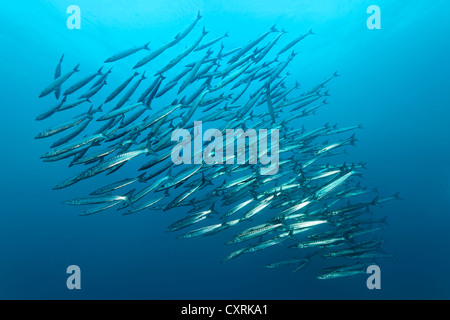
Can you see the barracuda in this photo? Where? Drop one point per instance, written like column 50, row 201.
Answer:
column 254, row 232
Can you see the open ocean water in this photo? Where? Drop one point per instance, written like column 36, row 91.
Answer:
column 393, row 81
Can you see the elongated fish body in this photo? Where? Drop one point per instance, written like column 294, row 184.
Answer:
column 127, row 53
column 265, row 244
column 182, row 177
column 181, row 197
column 136, row 197
column 118, row 112
column 266, row 50
column 97, row 155
column 284, row 263
column 131, row 118
column 61, row 127
column 307, row 224
column 57, row 75
column 184, row 72
column 294, row 42
column 320, row 243
column 237, row 208
column 223, row 226
column 237, row 181
column 342, row 130
column 101, row 167
column 183, row 54
column 47, row 113
column 353, row 267
column 188, row 29
column 210, row 43
column 194, row 107
column 297, row 207
column 101, row 207
column 74, row 145
column 235, row 254
column 257, row 209
column 325, row 174
column 116, row 185
column 230, row 78
column 165, row 89
column 102, row 78
column 146, row 205
column 322, row 192
column 249, row 105
column 340, row 274
column 191, row 74
column 155, row 53
column 200, row 232
column 371, row 256
column 254, row 232
column 67, row 154
column 91, row 92
column 120, row 88
column 158, row 171
column 189, row 220
column 58, row 82
column 130, row 92
column 77, row 130
column 147, row 91
column 80, row 84
column 115, row 161
column 346, row 253
column 251, row 45
column 99, row 199
column 153, row 93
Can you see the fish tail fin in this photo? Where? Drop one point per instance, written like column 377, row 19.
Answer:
column 136, row 74
column 76, row 69
column 336, row 74
column 149, row 149
column 204, row 32
column 226, row 35
column 127, row 196
column 291, row 235
column 199, row 16
column 212, row 209
column 91, row 111
column 274, row 28
column 311, row 32
column 353, row 140
column 143, row 77
column 397, row 196
column 146, row 46
column 141, row 177
column 99, row 72
column 375, row 201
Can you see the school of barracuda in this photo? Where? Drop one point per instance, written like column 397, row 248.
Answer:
column 305, row 205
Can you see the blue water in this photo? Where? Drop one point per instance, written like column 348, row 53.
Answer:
column 394, row 82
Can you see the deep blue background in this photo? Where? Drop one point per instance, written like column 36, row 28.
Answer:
column 394, row 82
